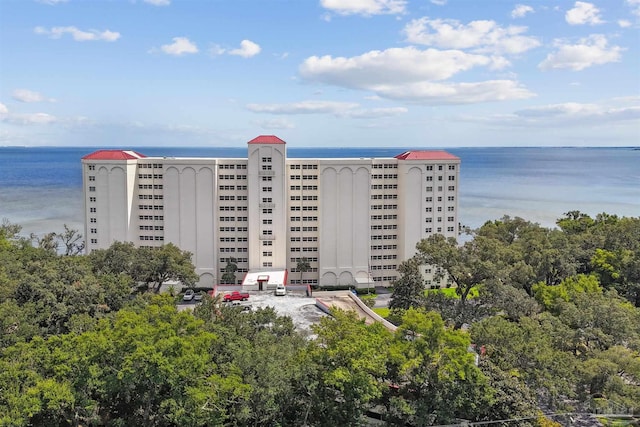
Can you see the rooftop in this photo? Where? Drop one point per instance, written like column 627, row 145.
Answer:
column 114, row 155
column 426, row 155
column 266, row 139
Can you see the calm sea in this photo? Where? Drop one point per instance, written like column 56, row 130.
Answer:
column 41, row 187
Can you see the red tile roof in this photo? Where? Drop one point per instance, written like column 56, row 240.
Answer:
column 266, row 139
column 426, row 155
column 114, row 155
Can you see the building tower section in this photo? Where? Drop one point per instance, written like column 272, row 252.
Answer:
column 349, row 221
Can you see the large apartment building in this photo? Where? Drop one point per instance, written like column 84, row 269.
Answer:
column 353, row 219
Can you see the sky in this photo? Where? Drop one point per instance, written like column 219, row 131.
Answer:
column 320, row 73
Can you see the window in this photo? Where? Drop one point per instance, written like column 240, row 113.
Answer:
column 266, row 160
column 449, row 229
column 439, row 167
column 450, row 209
column 92, row 167
column 266, row 167
column 267, row 243
column 267, row 221
column 452, row 167
column 267, row 211
column 450, row 218
column 93, row 220
column 429, row 178
column 93, row 210
column 267, row 253
column 92, row 188
column 266, row 189
column 94, row 241
column 452, row 178
column 451, row 188
column 451, row 198
column 94, row 230
column 429, row 189
column 92, row 199
column 92, row 178
column 267, row 200
column 429, row 209
column 267, row 178
column 267, row 264
column 429, row 167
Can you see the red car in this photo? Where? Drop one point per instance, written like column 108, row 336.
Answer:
column 235, row 296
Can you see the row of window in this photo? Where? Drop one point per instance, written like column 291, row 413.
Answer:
column 156, row 238
column 385, row 207
column 304, row 228
column 294, row 198
column 384, row 187
column 233, row 250
column 384, row 196
column 384, row 227
column 385, row 166
column 223, row 229
column 232, row 166
column 303, row 218
column 232, row 176
column 305, row 177
column 305, row 239
column 151, row 227
column 232, row 208
column 232, row 187
column 310, row 270
column 297, row 167
column 150, row 207
column 384, row 176
column 449, row 198
column 305, row 249
column 151, row 217
column 309, row 259
column 383, row 247
column 149, row 186
column 384, row 267
column 149, row 166
column 304, row 208
column 380, row 257
column 439, row 229
column 149, row 176
column 304, row 187
column 237, row 260
column 233, row 218
column 451, row 167
column 378, row 217
column 449, row 188
column 385, row 237
column 233, row 239
column 150, row 197
column 440, row 178
column 225, row 197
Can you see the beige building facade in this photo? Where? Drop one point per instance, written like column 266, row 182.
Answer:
column 353, row 219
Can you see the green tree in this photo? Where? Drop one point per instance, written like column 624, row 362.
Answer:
column 434, row 373
column 408, row 289
column 165, row 263
column 229, row 276
column 302, row 266
column 72, row 241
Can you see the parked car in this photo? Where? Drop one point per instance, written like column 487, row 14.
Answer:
column 280, row 290
column 188, row 296
column 235, row 296
column 198, row 296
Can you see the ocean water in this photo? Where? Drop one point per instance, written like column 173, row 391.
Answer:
column 41, row 187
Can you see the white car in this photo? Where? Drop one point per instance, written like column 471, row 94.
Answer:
column 280, row 290
column 188, row 296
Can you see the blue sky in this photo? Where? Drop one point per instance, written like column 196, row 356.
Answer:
column 334, row 73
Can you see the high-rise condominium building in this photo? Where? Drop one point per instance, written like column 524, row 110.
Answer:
column 353, row 219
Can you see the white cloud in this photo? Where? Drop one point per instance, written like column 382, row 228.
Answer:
column 439, row 2
column 635, row 6
column 180, row 46
column 365, row 7
column 303, row 107
column 275, row 124
column 521, row 10
column 25, row 118
column 216, row 50
column 583, row 13
column 409, row 74
column 590, row 51
column 623, row 23
column 584, row 115
column 481, row 36
column 26, row 95
column 78, row 35
column 338, row 109
column 455, row 93
column 158, row 2
column 374, row 113
column 247, row 49
column 389, row 66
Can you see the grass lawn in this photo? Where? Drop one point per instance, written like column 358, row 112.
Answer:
column 381, row 311
column 451, row 292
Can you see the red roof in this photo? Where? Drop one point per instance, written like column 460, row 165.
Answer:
column 266, row 139
column 426, row 155
column 114, row 155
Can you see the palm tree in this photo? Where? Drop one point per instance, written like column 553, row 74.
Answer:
column 303, row 266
